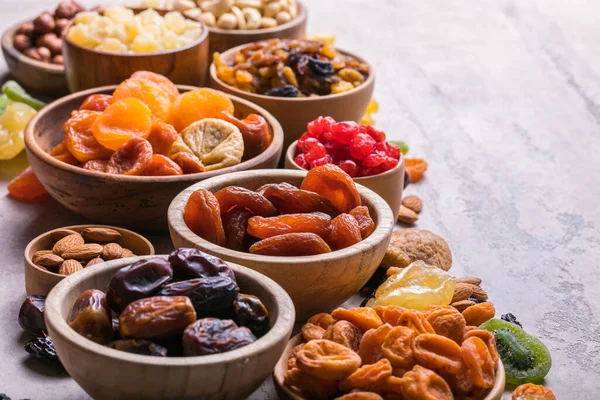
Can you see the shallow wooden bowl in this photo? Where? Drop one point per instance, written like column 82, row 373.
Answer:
column 316, row 283
column 40, row 282
column 294, row 113
column 35, row 76
column 388, row 185
column 112, row 374
column 281, row 369
column 88, row 68
column 139, row 202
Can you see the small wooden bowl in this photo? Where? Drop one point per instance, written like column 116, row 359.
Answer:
column 88, row 68
column 294, row 113
column 388, row 185
column 35, row 76
column 106, row 373
column 138, row 202
column 282, row 367
column 315, row 283
column 40, row 282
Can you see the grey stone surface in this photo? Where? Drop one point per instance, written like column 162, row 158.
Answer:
column 503, row 99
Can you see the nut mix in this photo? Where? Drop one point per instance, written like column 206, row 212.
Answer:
column 187, row 305
column 323, row 215
column 73, row 251
column 291, row 68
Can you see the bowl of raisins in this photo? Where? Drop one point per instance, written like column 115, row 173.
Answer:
column 187, row 325
column 317, row 234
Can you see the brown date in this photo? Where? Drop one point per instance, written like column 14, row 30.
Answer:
column 156, row 317
column 212, row 336
column 90, row 317
column 263, row 228
column 143, row 347
column 192, row 263
column 141, row 279
column 31, row 315
column 288, row 199
column 234, row 224
column 251, row 313
column 291, row 244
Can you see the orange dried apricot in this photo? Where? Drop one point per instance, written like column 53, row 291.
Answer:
column 360, row 396
column 80, row 140
column 131, row 159
column 438, row 353
column 235, row 222
column 255, row 131
column 327, row 360
column 312, row 332
column 97, row 102
column 397, row 347
column 530, row 391
column 162, row 136
column 203, row 216
column 393, row 271
column 60, row 152
column 479, row 313
column 148, row 92
column 415, row 321
column 198, row 104
column 364, row 318
column 424, row 384
column 331, row 182
column 488, row 339
column 256, row 203
column 344, row 333
column 189, row 163
column 162, row 166
column 369, row 348
column 262, row 228
column 447, row 321
column 95, row 165
column 288, row 199
column 415, row 168
column 344, row 232
column 367, row 377
column 392, row 314
column 291, row 244
column 163, row 82
column 122, row 121
column 309, row 386
column 479, row 361
column 324, row 320
column 365, row 222
column 26, row 186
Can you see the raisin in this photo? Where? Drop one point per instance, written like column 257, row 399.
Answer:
column 317, row 223
column 212, row 336
column 42, row 348
column 202, row 214
column 318, row 68
column 510, row 317
column 283, row 91
column 193, row 263
column 291, row 244
column 31, row 315
column 251, row 313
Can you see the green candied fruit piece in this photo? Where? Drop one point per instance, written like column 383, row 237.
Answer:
column 403, row 146
column 3, row 103
column 526, row 359
column 15, row 92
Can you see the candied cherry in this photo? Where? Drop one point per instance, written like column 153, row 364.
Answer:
column 319, row 126
column 379, row 136
column 349, row 167
column 301, row 161
column 316, row 151
column 361, row 146
column 321, row 161
column 343, row 132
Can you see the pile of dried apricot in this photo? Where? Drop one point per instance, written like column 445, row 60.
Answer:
column 392, row 352
column 324, row 214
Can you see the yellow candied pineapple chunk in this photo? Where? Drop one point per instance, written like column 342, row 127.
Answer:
column 323, row 37
column 12, row 123
column 175, row 22
column 118, row 13
column 192, row 34
column 117, row 31
column 169, row 40
column 112, row 45
column 149, row 16
column 86, row 17
column 154, row 31
column 341, row 86
column 144, row 44
column 132, row 29
column 373, row 107
column 80, row 35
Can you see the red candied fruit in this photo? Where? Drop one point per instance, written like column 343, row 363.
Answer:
column 379, row 136
column 301, row 161
column 322, row 161
column 315, row 151
column 388, row 149
column 349, row 167
column 361, row 146
column 319, row 126
column 343, row 132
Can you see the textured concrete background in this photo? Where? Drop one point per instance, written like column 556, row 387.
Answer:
column 503, row 99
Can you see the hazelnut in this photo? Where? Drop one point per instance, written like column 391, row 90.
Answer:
column 26, row 29
column 33, row 53
column 44, row 23
column 44, row 53
column 45, row 38
column 21, row 42
column 51, row 41
column 58, row 59
column 61, row 24
column 65, row 9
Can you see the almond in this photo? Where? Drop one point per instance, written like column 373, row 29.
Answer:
column 462, row 291
column 413, row 202
column 49, row 260
column 39, row 253
column 94, row 261
column 407, row 216
column 479, row 294
column 83, row 252
column 472, row 280
column 66, row 243
column 100, row 234
column 463, row 305
column 69, row 267
column 61, row 233
column 111, row 251
column 127, row 253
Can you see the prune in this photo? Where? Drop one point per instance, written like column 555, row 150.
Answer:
column 289, row 199
column 208, row 295
column 42, row 348
column 31, row 315
column 192, row 263
column 156, row 317
column 283, row 91
column 143, row 347
column 212, row 336
column 510, row 317
column 234, row 224
column 251, row 313
column 139, row 280
column 91, row 318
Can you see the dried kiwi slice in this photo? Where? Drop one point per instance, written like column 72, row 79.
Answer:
column 525, row 358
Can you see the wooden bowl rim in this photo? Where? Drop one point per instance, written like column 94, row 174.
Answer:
column 281, row 369
column 190, row 45
column 292, row 149
column 7, row 45
column 75, row 227
column 32, row 145
column 364, row 86
column 282, row 326
column 383, row 228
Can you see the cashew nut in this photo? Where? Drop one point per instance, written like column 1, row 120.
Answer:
column 227, row 21
column 267, row 22
column 283, row 17
column 241, row 20
column 184, row 5
column 217, row 7
column 253, row 18
column 249, row 3
column 208, row 18
column 272, row 9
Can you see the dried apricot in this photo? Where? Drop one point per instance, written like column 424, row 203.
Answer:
column 26, row 186
column 530, row 391
column 370, row 345
column 256, row 203
column 235, row 222
column 324, row 320
column 391, row 314
column 291, row 244
column 163, row 82
column 479, row 361
column 344, row 232
column 448, row 322
column 288, row 199
column 97, row 102
column 461, row 382
column 415, row 321
column 365, row 222
column 95, row 165
column 312, row 332
column 255, row 131
column 309, row 386
column 479, row 313
column 488, row 339
column 344, row 333
column 60, row 152
column 424, row 384
column 203, row 216
column 80, row 140
column 131, row 159
column 162, row 136
column 437, row 352
column 189, row 163
column 367, row 377
column 327, row 360
column 148, row 92
column 122, row 121
column 198, row 104
column 162, row 166
column 262, row 228
column 364, row 318
column 415, row 168
column 360, row 396
column 331, row 182
column 397, row 347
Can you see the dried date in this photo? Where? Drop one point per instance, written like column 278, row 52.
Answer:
column 90, row 317
column 143, row 347
column 31, row 315
column 251, row 313
column 192, row 263
column 212, row 336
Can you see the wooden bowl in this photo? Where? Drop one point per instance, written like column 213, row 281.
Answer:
column 40, row 282
column 294, row 113
column 281, row 369
column 35, row 76
column 388, row 185
column 88, row 68
column 315, row 283
column 138, row 202
column 106, row 373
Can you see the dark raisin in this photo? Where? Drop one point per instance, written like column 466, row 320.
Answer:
column 294, row 57
column 42, row 348
column 510, row 317
column 319, row 67
column 283, row 91
column 4, row 397
column 474, row 300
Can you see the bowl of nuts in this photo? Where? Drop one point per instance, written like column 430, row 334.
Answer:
column 188, row 325
column 53, row 255
column 296, row 80
column 317, row 234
